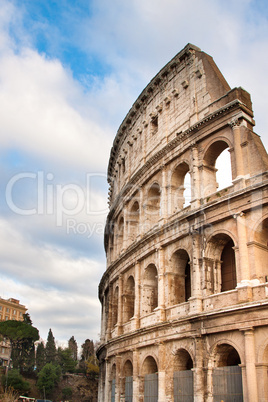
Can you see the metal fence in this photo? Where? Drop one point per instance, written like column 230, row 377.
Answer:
column 151, row 388
column 113, row 391
column 128, row 389
column 183, row 386
column 227, row 384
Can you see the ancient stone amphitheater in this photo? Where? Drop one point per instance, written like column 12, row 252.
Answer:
column 185, row 294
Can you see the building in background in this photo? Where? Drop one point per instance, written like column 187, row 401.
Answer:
column 10, row 309
column 185, row 294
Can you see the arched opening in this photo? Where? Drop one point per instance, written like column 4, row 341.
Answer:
column 227, row 376
column 223, row 170
column 133, row 221
column 153, row 204
column 180, row 278
column 228, row 270
column 150, row 289
column 112, row 382
column 180, row 187
column 260, row 250
column 128, row 381
column 149, row 371
column 183, row 377
column 115, row 307
column 209, row 170
column 219, row 262
column 129, row 299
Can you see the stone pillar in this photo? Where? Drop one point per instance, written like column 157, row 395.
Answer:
column 242, row 245
column 136, row 376
column 109, row 318
column 250, row 361
column 198, row 371
column 161, row 283
column 164, row 198
column 195, row 299
column 235, row 125
column 195, row 179
column 125, row 230
column 161, row 373
column 107, row 381
column 120, row 305
column 137, row 295
column 208, row 374
column 142, row 212
column 117, row 378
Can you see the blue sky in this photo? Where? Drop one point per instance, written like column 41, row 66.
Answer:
column 69, row 72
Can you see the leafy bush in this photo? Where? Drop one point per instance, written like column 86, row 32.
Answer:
column 14, row 380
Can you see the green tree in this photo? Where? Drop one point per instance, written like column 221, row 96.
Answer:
column 66, row 361
column 48, row 378
column 72, row 345
column 87, row 349
column 22, row 336
column 40, row 356
column 51, row 351
column 14, row 380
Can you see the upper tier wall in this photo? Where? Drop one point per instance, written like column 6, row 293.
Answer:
column 180, row 95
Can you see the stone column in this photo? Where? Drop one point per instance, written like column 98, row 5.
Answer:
column 125, row 230
column 195, row 179
column 198, row 371
column 109, row 319
column 137, row 295
column 195, row 299
column 136, row 376
column 250, row 365
column 120, row 305
column 142, row 212
column 117, row 378
column 161, row 373
column 235, row 125
column 161, row 283
column 242, row 245
column 164, row 201
column 107, row 381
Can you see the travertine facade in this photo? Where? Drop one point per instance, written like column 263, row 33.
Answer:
column 185, row 294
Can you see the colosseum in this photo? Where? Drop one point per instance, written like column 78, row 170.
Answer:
column 185, row 293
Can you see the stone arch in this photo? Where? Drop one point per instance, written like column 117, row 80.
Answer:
column 183, row 360
column 127, row 370
column 149, row 387
column 211, row 154
column 226, row 380
column 177, row 186
column 150, row 289
column 129, row 299
column 180, row 277
column 260, row 249
column 133, row 220
column 153, row 201
column 149, row 365
column 115, row 301
column 220, row 265
column 127, row 381
column 183, row 386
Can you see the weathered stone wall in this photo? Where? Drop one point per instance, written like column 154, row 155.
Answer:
column 186, row 285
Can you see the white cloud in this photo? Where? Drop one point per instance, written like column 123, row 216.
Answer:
column 66, row 127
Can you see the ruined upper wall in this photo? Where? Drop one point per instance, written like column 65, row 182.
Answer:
column 185, row 91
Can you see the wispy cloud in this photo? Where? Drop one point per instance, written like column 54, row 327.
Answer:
column 69, row 72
